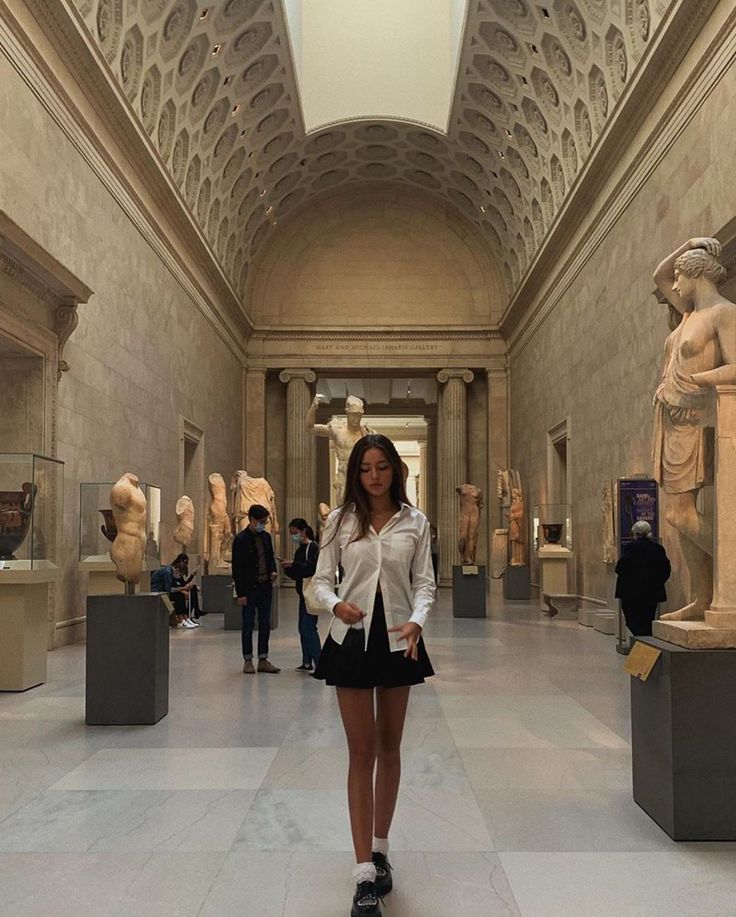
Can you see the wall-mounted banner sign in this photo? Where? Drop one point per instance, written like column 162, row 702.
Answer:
column 638, row 499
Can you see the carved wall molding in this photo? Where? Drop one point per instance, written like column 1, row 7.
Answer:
column 28, row 60
column 528, row 79
column 439, row 335
column 522, row 320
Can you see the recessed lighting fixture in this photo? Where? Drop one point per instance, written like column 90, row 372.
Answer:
column 216, row 49
column 227, row 80
column 242, row 134
column 235, row 109
column 482, row 209
column 264, row 192
column 502, row 154
column 545, row 13
column 524, row 80
column 507, row 132
column 204, row 14
column 533, row 49
column 269, row 208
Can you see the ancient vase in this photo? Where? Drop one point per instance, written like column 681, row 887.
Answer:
column 15, row 519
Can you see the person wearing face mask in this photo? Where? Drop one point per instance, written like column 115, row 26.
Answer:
column 254, row 571
column 301, row 568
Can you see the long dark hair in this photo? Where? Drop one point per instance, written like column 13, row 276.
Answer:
column 303, row 526
column 355, row 497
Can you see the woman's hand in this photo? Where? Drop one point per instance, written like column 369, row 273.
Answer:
column 348, row 612
column 712, row 246
column 411, row 632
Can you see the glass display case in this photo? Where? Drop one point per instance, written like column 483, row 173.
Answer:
column 97, row 525
column 552, row 525
column 31, row 502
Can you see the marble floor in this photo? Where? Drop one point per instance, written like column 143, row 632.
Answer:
column 516, row 794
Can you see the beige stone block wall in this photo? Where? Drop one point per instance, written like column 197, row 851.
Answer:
column 597, row 357
column 142, row 356
column 373, row 256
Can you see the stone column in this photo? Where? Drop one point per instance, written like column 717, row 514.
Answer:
column 301, row 465
column 453, row 461
column 422, row 491
column 430, row 471
column 722, row 612
column 254, row 423
column 498, row 457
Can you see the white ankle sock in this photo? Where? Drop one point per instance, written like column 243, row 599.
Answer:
column 364, row 872
column 380, row 845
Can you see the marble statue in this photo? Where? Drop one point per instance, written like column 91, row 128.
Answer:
column 343, row 433
column 244, row 492
column 128, row 504
column 184, row 531
column 515, row 514
column 471, row 503
column 700, row 353
column 219, row 531
column 607, row 532
column 323, row 511
column 511, row 497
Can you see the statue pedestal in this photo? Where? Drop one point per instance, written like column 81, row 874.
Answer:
column 127, row 660
column 217, row 592
column 468, row 591
column 554, row 563
column 517, row 583
column 683, row 742
column 25, row 622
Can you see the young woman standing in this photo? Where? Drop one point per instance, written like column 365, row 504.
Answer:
column 374, row 651
column 299, row 569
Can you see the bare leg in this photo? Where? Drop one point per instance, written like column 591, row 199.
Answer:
column 358, row 718
column 696, row 541
column 390, row 716
column 700, row 566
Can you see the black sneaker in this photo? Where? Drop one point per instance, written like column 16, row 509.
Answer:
column 384, row 882
column 365, row 901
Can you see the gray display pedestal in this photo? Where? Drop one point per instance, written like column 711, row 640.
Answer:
column 233, row 617
column 127, row 660
column 217, row 593
column 517, row 583
column 684, row 742
column 469, row 592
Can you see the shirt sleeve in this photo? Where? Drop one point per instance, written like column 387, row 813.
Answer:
column 423, row 584
column 323, row 581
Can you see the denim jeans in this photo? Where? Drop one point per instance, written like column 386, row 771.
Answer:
column 259, row 599
column 311, row 647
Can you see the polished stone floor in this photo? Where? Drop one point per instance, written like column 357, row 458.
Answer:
column 516, row 795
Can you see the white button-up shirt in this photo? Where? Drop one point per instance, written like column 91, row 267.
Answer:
column 398, row 557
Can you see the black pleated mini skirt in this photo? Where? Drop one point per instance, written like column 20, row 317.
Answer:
column 350, row 665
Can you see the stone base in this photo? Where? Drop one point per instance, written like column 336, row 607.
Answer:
column 605, row 623
column 695, row 635
column 127, row 660
column 517, row 583
column 217, row 593
column 25, row 622
column 587, row 615
column 561, row 604
column 468, row 592
column 683, row 742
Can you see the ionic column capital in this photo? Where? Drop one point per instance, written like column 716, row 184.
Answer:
column 444, row 375
column 308, row 375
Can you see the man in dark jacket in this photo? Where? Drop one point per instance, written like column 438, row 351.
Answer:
column 254, row 570
column 643, row 569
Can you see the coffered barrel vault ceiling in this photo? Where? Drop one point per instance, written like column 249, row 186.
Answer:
column 213, row 86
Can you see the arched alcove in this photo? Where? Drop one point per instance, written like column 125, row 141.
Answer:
column 372, row 256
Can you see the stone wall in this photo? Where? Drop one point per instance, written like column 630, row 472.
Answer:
column 596, row 357
column 142, row 358
column 376, row 256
